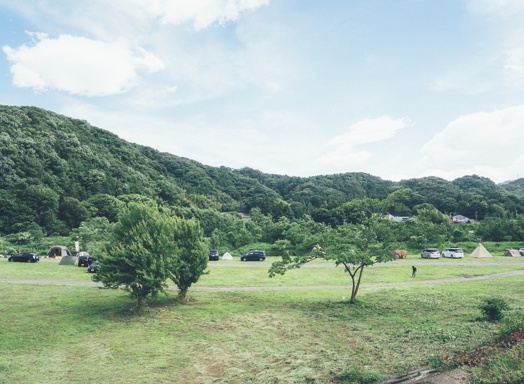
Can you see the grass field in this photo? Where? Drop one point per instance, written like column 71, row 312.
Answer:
column 83, row 334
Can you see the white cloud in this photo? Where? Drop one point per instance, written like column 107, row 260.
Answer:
column 503, row 7
column 343, row 152
column 201, row 13
column 370, row 130
column 79, row 65
column 484, row 143
column 504, row 18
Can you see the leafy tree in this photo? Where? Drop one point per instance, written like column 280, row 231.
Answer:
column 189, row 260
column 72, row 212
column 105, row 205
column 92, row 234
column 432, row 215
column 139, row 253
column 353, row 246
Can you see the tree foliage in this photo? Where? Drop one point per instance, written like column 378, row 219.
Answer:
column 139, row 254
column 189, row 260
column 355, row 247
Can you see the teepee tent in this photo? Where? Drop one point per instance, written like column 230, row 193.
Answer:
column 227, row 256
column 511, row 252
column 480, row 251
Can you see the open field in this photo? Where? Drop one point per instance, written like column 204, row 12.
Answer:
column 80, row 334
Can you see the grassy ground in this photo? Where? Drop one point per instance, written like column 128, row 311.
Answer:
column 82, row 334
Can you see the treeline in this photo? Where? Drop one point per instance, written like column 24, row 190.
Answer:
column 58, row 173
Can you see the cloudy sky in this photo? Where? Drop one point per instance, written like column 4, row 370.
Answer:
column 395, row 88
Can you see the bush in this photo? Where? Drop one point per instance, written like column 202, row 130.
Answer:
column 493, row 308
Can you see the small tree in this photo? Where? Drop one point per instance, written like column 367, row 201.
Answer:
column 138, row 251
column 353, row 246
column 189, row 260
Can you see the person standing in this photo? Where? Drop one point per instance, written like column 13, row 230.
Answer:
column 413, row 271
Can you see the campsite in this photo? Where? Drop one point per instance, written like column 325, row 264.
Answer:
column 240, row 326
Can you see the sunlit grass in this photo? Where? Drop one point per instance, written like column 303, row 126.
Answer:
column 78, row 334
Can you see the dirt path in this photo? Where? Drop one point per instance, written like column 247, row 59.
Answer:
column 279, row 288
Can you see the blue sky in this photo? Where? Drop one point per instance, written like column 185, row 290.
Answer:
column 395, row 88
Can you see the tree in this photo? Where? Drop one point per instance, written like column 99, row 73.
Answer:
column 139, row 252
column 353, row 246
column 92, row 234
column 72, row 212
column 189, row 260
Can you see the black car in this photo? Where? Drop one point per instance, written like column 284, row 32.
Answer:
column 27, row 257
column 94, row 267
column 213, row 255
column 253, row 256
column 85, row 259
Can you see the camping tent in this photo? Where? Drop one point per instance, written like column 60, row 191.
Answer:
column 480, row 251
column 58, row 251
column 511, row 252
column 227, row 256
column 68, row 260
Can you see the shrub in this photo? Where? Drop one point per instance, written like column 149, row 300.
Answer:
column 493, row 308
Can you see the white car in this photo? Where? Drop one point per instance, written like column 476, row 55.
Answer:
column 453, row 252
column 430, row 253
column 521, row 251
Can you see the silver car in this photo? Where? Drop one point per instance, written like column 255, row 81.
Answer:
column 430, row 253
column 453, row 252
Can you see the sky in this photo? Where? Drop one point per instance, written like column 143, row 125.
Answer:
column 398, row 89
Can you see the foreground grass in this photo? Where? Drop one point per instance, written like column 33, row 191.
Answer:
column 53, row 334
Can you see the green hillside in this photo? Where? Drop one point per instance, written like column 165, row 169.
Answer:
column 58, row 171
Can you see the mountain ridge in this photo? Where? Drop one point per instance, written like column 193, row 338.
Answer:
column 53, row 165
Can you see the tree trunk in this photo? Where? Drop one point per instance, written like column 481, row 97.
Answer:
column 182, row 294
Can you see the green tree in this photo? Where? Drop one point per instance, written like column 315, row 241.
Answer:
column 353, row 246
column 72, row 212
column 139, row 252
column 92, row 234
column 189, row 260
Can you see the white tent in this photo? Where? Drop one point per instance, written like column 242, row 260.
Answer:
column 227, row 256
column 68, row 260
column 480, row 251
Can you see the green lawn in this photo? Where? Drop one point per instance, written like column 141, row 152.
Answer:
column 83, row 334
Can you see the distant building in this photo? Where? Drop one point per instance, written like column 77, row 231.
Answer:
column 396, row 219
column 459, row 219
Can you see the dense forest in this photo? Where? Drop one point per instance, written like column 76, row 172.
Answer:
column 58, row 172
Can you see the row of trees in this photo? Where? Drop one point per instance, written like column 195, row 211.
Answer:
column 149, row 245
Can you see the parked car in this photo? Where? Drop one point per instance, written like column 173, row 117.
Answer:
column 521, row 251
column 453, row 252
column 27, row 257
column 253, row 256
column 430, row 253
column 213, row 255
column 84, row 259
column 94, row 267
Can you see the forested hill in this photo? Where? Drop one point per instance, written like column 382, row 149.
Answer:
column 57, row 171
